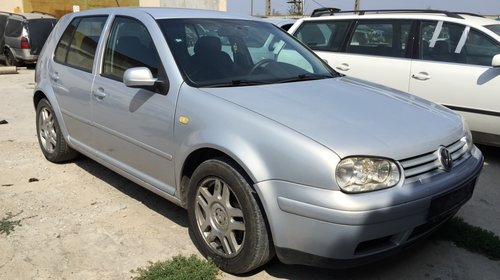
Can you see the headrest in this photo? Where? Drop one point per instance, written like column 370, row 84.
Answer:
column 207, row 44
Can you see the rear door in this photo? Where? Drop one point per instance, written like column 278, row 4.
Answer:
column 377, row 51
column 374, row 50
column 71, row 75
column 134, row 126
column 455, row 70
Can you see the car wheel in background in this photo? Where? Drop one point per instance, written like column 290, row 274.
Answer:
column 225, row 217
column 10, row 60
column 50, row 138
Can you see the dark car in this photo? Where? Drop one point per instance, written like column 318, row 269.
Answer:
column 22, row 36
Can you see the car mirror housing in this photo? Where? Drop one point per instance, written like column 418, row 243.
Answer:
column 138, row 77
column 141, row 77
column 495, row 62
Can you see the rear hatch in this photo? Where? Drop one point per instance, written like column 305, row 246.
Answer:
column 39, row 30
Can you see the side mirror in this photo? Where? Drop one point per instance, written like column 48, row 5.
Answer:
column 141, row 77
column 138, row 77
column 495, row 62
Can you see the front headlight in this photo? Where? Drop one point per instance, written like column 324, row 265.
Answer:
column 363, row 174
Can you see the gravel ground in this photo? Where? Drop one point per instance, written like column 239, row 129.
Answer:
column 82, row 221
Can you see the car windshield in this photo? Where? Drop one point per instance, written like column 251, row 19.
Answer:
column 494, row 27
column 224, row 52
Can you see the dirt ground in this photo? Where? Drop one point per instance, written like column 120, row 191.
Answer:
column 82, row 221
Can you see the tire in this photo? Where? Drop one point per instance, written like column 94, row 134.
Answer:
column 10, row 60
column 225, row 218
column 50, row 138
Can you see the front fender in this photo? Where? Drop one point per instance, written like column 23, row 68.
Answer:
column 265, row 149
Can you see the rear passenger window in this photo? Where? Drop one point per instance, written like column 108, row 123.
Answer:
column 449, row 42
column 78, row 43
column 438, row 41
column 323, row 35
column 129, row 45
column 380, row 38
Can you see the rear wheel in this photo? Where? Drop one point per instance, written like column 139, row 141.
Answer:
column 226, row 219
column 10, row 60
column 50, row 138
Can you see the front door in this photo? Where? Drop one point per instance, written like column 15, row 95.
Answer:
column 133, row 126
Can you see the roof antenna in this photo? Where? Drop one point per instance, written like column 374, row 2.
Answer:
column 117, row 4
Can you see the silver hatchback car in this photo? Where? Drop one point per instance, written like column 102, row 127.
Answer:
column 268, row 149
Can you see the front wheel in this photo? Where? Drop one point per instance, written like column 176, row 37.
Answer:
column 50, row 138
column 226, row 219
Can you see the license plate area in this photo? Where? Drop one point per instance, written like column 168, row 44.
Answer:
column 450, row 201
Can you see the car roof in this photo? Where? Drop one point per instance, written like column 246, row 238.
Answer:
column 164, row 13
column 462, row 17
column 29, row 16
column 479, row 20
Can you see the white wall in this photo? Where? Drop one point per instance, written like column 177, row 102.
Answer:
column 149, row 3
column 12, row 6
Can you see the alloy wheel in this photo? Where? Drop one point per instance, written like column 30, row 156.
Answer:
column 47, row 130
column 219, row 217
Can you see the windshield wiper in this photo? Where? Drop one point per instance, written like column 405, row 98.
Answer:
column 305, row 77
column 233, row 83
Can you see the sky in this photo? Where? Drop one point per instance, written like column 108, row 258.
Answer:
column 485, row 7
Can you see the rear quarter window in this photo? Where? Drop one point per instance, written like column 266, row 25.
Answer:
column 14, row 28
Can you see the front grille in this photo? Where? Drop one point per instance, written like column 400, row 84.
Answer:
column 422, row 165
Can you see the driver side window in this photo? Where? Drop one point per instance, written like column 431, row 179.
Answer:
column 129, row 45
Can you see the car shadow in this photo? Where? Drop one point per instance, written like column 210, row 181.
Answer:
column 490, row 152
column 151, row 200
column 408, row 256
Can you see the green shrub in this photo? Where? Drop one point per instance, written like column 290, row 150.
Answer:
column 179, row 268
column 7, row 225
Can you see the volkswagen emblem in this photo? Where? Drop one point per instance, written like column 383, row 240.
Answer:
column 445, row 159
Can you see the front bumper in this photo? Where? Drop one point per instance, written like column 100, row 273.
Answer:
column 317, row 226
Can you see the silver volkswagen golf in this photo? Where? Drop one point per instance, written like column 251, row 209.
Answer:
column 270, row 151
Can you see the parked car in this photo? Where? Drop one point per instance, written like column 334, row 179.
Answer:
column 268, row 149
column 283, row 23
column 449, row 58
column 22, row 36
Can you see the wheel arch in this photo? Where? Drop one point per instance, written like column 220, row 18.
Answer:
column 37, row 96
column 200, row 155
column 41, row 93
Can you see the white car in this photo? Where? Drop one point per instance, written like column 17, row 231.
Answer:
column 449, row 58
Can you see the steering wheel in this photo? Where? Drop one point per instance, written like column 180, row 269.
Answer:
column 259, row 64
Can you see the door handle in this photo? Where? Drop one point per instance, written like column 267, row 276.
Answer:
column 343, row 67
column 421, row 76
column 54, row 76
column 99, row 93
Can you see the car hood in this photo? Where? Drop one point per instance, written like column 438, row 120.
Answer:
column 352, row 117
